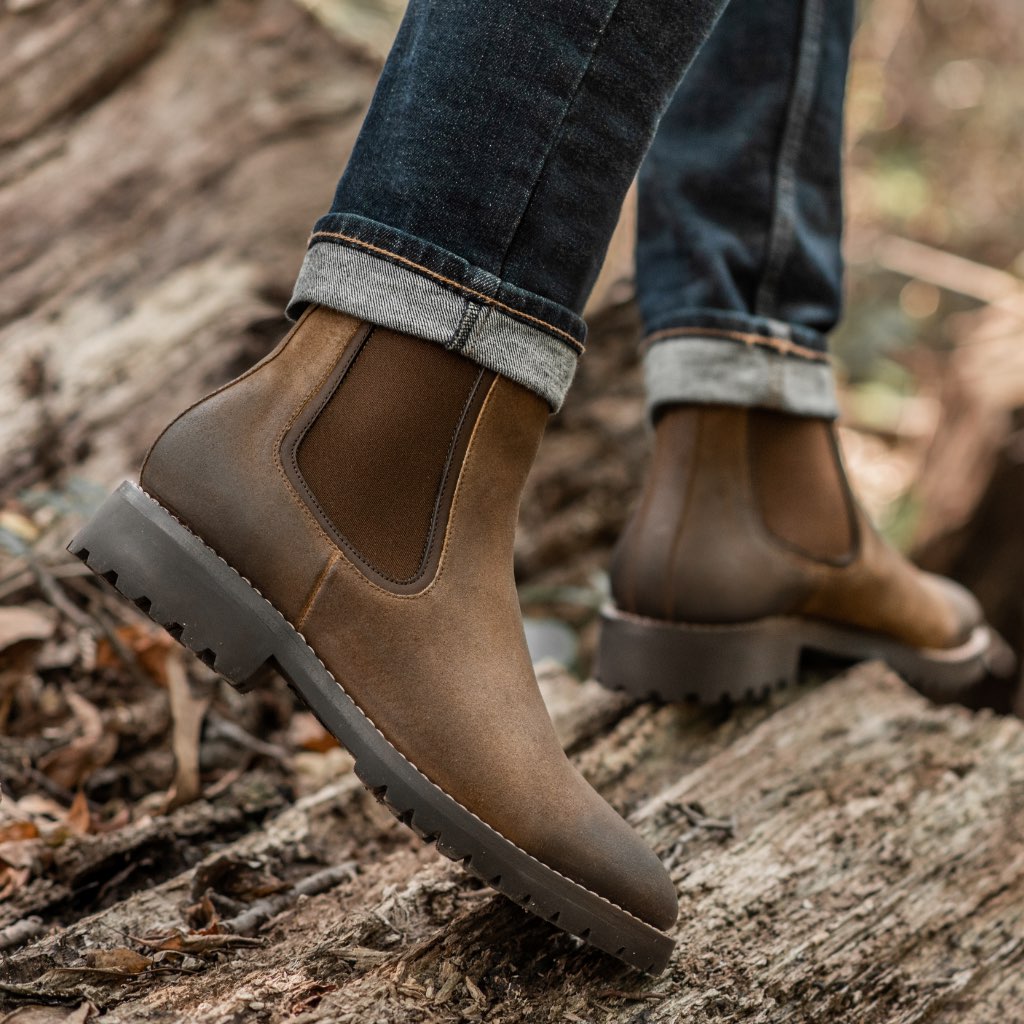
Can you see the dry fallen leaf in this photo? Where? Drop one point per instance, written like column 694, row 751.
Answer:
column 11, row 880
column 20, row 853
column 21, row 526
column 203, row 916
column 187, row 713
column 69, row 766
column 79, row 816
column 122, row 959
column 232, row 876
column 306, row 733
column 50, row 1014
column 12, row 831
column 149, row 645
column 20, row 624
column 37, row 805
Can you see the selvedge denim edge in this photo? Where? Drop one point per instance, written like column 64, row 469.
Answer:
column 357, row 276
column 724, row 369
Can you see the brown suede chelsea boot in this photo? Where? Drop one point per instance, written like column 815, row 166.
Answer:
column 345, row 513
column 747, row 548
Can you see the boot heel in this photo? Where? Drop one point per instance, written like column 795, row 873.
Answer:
column 181, row 584
column 671, row 661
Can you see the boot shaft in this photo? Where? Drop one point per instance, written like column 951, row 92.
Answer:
column 738, row 508
column 345, row 438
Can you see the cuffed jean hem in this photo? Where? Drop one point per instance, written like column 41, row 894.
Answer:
column 434, row 295
column 763, row 331
column 715, row 370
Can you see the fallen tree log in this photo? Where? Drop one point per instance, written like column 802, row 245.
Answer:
column 845, row 853
column 160, row 167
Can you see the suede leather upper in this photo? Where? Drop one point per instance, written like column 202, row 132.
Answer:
column 747, row 514
column 443, row 672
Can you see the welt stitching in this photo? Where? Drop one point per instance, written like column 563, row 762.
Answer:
column 482, row 296
column 782, row 345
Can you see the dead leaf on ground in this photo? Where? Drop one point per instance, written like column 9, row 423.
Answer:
column 38, row 805
column 187, row 713
column 122, row 959
column 11, row 880
column 79, row 817
column 202, row 915
column 50, row 1014
column 26, row 623
column 69, row 766
column 13, row 831
column 306, row 733
column 150, row 647
column 21, row 853
column 310, row 996
column 235, row 877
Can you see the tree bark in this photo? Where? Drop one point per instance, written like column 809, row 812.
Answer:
column 160, row 167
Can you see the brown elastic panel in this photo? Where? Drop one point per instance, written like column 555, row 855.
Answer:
column 800, row 484
column 375, row 457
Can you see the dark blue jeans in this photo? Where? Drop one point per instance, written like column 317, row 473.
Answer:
column 484, row 187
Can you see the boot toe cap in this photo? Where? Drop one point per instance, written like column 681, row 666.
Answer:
column 616, row 863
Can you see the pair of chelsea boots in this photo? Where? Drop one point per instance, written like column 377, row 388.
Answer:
column 344, row 512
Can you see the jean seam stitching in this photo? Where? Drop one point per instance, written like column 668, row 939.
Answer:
column 465, row 329
column 781, row 232
column 780, row 345
column 426, row 271
column 557, row 134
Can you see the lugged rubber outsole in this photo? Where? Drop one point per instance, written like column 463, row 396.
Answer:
column 708, row 664
column 152, row 559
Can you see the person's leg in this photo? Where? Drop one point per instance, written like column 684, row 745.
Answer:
column 747, row 546
column 487, row 179
column 739, row 266
column 346, row 510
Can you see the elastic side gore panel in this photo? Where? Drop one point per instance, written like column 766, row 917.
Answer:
column 375, row 457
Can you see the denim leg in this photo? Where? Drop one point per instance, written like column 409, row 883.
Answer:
column 487, row 178
column 739, row 265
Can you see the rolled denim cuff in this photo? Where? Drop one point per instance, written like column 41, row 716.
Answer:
column 763, row 373
column 376, row 273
